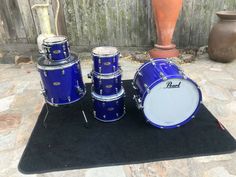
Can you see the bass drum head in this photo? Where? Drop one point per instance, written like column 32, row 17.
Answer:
column 172, row 103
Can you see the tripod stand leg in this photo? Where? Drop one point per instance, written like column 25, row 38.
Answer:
column 45, row 117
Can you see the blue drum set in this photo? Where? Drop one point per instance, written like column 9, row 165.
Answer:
column 166, row 96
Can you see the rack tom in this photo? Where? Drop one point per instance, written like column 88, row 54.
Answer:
column 56, row 48
column 105, row 60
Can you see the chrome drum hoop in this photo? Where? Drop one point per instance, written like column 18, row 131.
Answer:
column 108, row 98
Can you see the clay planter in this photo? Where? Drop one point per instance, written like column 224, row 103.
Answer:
column 222, row 39
column 166, row 13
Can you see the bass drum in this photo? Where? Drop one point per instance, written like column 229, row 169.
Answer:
column 166, row 95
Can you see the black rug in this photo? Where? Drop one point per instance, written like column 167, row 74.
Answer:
column 66, row 143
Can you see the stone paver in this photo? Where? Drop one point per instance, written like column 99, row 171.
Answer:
column 21, row 103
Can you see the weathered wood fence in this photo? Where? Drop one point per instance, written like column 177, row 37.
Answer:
column 109, row 22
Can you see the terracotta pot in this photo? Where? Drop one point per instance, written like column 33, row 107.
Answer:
column 222, row 39
column 166, row 13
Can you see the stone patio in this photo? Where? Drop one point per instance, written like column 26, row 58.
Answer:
column 21, row 103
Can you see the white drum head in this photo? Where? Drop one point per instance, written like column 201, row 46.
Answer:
column 105, row 51
column 55, row 39
column 171, row 106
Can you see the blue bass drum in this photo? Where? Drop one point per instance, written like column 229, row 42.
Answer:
column 167, row 97
column 109, row 108
column 56, row 48
column 107, row 84
column 62, row 83
column 105, row 60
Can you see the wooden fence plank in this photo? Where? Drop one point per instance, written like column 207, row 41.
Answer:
column 28, row 21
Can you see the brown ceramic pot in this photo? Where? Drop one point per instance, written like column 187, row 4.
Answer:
column 222, row 39
column 166, row 13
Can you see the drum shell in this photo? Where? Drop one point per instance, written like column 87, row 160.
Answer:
column 108, row 111
column 57, row 51
column 148, row 75
column 105, row 64
column 62, row 84
column 107, row 85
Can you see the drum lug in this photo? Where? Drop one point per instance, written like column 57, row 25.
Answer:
column 114, row 68
column 52, row 100
column 182, row 73
column 63, row 72
column 45, row 73
column 50, row 56
column 94, row 113
column 117, row 115
column 116, row 90
column 114, row 59
column 116, row 80
column 147, row 88
column 103, row 104
column 153, row 63
column 99, row 60
column 100, row 82
column 193, row 117
column 104, row 116
column 69, row 99
column 100, row 69
column 100, row 91
column 117, row 102
column 140, row 74
column 64, row 54
column 79, row 89
column 163, row 76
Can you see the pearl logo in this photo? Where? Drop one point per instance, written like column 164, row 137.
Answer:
column 170, row 85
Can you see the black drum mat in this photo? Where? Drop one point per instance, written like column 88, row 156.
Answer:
column 67, row 144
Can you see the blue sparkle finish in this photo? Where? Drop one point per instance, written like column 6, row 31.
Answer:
column 62, row 83
column 108, row 108
column 57, row 50
column 148, row 76
column 107, row 84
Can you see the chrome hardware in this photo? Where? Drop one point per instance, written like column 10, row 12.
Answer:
column 117, row 102
column 65, row 54
column 63, row 72
column 80, row 90
column 100, row 82
column 99, row 60
column 100, row 91
column 94, row 113
column 69, row 99
column 114, row 59
column 52, row 100
column 138, row 102
column 182, row 73
column 45, row 73
column 116, row 80
column 117, row 115
column 140, row 74
column 104, row 116
column 153, row 63
column 193, row 117
column 163, row 76
column 50, row 56
column 114, row 68
column 147, row 88
column 116, row 90
column 178, row 126
column 64, row 47
column 103, row 104
column 100, row 69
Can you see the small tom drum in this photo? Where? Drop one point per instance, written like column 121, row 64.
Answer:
column 105, row 59
column 56, row 48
